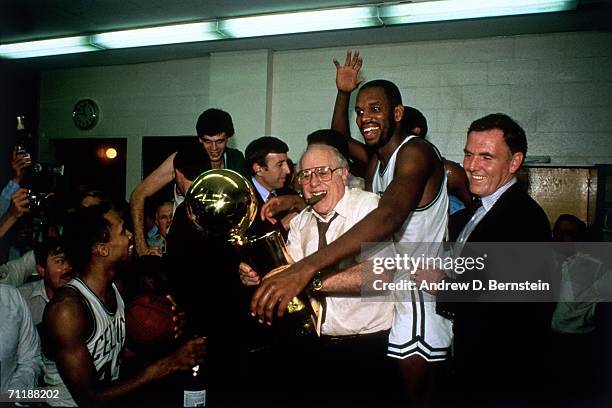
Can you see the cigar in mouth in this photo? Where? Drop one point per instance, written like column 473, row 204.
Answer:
column 316, row 197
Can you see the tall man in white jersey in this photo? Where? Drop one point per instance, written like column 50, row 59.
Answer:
column 410, row 174
column 84, row 323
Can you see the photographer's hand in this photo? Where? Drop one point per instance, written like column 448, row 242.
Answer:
column 19, row 205
column 19, row 163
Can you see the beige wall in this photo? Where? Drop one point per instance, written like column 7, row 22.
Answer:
column 558, row 86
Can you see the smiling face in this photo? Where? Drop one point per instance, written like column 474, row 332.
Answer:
column 56, row 272
column 376, row 118
column 274, row 174
column 214, row 146
column 317, row 156
column 488, row 161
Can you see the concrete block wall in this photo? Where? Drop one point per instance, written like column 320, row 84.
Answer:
column 558, row 86
column 158, row 99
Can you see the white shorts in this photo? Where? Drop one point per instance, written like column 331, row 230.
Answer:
column 418, row 330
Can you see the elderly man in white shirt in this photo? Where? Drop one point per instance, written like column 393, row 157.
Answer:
column 350, row 354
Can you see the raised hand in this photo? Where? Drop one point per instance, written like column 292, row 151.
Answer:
column 347, row 75
column 19, row 163
column 20, row 203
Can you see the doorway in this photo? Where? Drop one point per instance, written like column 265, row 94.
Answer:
column 93, row 164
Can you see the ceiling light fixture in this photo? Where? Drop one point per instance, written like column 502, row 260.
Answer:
column 56, row 46
column 170, row 34
column 442, row 10
column 287, row 23
column 300, row 22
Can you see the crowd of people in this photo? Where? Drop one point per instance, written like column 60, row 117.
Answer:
column 64, row 287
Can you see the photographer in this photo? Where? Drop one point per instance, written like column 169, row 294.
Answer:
column 19, row 164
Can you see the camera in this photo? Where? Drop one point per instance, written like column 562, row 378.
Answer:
column 37, row 200
column 21, row 149
column 48, row 169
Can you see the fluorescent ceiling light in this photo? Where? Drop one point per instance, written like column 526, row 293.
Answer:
column 287, row 23
column 300, row 22
column 462, row 9
column 67, row 45
column 170, row 34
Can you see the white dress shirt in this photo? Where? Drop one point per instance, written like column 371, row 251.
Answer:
column 344, row 315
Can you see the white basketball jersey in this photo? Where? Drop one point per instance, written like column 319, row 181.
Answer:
column 108, row 336
column 424, row 224
column 417, row 329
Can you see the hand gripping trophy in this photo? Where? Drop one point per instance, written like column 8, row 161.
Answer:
column 221, row 204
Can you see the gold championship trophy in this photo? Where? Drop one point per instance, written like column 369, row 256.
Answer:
column 222, row 204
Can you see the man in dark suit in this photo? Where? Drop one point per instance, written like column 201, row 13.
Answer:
column 499, row 347
column 266, row 167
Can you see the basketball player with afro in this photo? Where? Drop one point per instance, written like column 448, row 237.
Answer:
column 84, row 323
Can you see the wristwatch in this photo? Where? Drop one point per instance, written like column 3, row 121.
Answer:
column 316, row 283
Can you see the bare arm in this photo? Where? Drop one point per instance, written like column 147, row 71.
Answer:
column 65, row 321
column 413, row 170
column 457, row 181
column 347, row 80
column 149, row 186
column 346, row 282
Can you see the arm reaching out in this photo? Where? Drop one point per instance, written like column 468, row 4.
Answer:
column 347, row 80
column 404, row 194
column 154, row 182
column 66, row 323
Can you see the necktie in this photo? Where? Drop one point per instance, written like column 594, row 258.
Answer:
column 319, row 306
column 322, row 227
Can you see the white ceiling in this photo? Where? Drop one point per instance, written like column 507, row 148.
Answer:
column 22, row 20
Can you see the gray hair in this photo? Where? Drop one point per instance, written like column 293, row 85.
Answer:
column 340, row 160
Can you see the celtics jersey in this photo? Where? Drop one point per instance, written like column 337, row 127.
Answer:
column 417, row 329
column 108, row 334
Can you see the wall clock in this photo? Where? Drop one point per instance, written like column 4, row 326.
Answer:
column 86, row 114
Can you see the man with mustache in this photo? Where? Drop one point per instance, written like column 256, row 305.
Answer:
column 408, row 173
column 55, row 270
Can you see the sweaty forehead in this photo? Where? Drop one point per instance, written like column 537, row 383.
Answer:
column 372, row 95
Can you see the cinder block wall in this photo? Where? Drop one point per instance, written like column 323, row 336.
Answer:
column 558, row 86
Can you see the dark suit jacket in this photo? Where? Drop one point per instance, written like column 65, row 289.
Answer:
column 498, row 344
column 234, row 160
column 261, row 227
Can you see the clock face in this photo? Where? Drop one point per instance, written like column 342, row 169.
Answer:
column 85, row 114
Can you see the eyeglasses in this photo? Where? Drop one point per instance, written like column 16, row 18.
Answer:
column 324, row 173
